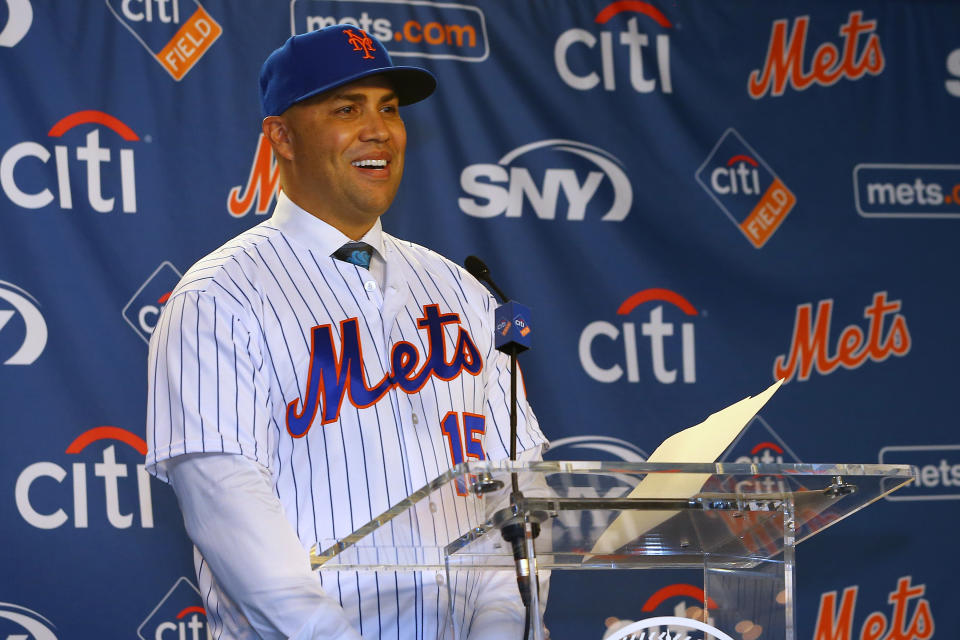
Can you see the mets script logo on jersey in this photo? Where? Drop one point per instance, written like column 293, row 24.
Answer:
column 662, row 347
column 810, row 346
column 20, row 623
column 745, row 188
column 176, row 32
column 411, row 28
column 100, row 166
column 785, row 57
column 119, row 486
column 19, row 19
column 577, row 60
column 29, row 335
column 180, row 612
column 143, row 309
column 911, row 618
column 583, row 189
column 333, row 376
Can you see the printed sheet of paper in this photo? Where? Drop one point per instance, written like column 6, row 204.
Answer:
column 701, row 443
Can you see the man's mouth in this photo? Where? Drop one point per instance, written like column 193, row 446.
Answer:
column 370, row 164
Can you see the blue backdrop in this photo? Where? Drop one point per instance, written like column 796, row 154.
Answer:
column 694, row 197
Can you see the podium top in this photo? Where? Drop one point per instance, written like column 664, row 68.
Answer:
column 612, row 514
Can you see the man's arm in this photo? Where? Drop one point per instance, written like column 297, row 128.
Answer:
column 237, row 523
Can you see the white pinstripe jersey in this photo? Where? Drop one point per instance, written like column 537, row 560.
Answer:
column 271, row 349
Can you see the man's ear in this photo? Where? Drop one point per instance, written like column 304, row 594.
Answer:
column 277, row 132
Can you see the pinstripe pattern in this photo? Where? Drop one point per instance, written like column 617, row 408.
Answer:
column 232, row 350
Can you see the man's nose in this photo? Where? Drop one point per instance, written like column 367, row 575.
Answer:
column 374, row 128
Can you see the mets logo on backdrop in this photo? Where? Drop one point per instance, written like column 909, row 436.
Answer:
column 176, row 32
column 830, row 64
column 745, row 188
column 180, row 612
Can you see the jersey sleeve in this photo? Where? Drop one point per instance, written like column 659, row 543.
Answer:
column 207, row 388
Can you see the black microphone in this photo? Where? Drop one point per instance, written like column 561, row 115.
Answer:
column 479, row 270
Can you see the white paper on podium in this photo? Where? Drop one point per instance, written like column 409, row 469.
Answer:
column 701, row 443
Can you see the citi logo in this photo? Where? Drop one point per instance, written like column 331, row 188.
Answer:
column 685, row 623
column 178, row 616
column 98, row 161
column 520, row 191
column 34, row 486
column 15, row 620
column 647, row 61
column 810, row 344
column 602, row 337
column 143, row 309
column 19, row 19
column 34, row 326
column 785, row 57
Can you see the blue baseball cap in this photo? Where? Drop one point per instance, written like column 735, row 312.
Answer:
column 311, row 63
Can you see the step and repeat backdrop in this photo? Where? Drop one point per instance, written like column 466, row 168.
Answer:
column 695, row 198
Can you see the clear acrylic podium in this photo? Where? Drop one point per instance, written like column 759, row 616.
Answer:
column 738, row 523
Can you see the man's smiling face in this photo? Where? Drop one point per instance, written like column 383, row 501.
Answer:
column 347, row 151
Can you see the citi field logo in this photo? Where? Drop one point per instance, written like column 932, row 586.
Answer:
column 176, row 33
column 20, row 623
column 911, row 618
column 643, row 55
column 29, row 333
column 759, row 443
column 413, row 28
column 937, row 471
column 143, row 309
column 745, row 188
column 907, row 190
column 124, row 493
column 19, row 19
column 810, row 344
column 692, row 622
column 179, row 614
column 26, row 163
column 786, row 53
column 671, row 349
column 592, row 182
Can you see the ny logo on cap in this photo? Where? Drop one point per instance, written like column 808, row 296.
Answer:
column 360, row 42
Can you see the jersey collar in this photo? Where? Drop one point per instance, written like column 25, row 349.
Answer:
column 314, row 233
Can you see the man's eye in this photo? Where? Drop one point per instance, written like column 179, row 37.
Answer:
column 347, row 110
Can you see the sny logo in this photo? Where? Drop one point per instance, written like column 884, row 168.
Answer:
column 655, row 328
column 34, row 326
column 491, row 200
column 809, row 346
column 95, row 157
column 156, row 25
column 14, row 620
column 19, row 19
column 785, row 57
column 143, row 309
column 108, row 468
column 181, row 612
column 565, row 57
column 745, row 188
column 360, row 42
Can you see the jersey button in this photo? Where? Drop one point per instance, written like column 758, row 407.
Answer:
column 439, row 578
column 369, row 285
column 416, row 420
